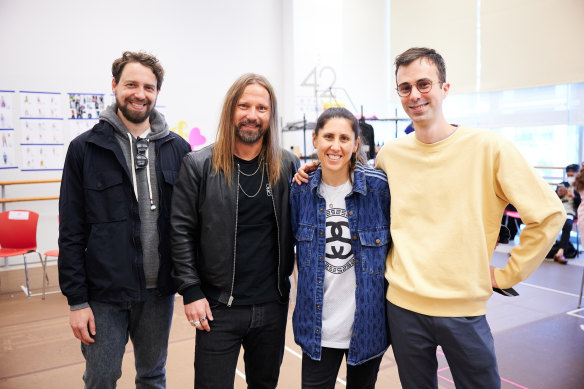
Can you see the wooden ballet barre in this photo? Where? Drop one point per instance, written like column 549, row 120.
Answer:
column 14, row 200
column 4, row 200
column 29, row 182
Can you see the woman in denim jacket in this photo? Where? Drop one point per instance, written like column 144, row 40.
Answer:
column 340, row 220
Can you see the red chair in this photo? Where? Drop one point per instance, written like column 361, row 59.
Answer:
column 18, row 237
column 513, row 215
column 50, row 253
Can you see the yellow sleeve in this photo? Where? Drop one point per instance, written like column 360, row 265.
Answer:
column 539, row 207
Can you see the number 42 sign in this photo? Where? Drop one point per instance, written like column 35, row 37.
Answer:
column 312, row 80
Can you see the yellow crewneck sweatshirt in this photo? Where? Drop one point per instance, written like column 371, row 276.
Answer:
column 447, row 201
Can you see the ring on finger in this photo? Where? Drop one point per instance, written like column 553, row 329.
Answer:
column 203, row 318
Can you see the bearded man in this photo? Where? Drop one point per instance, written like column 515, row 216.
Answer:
column 232, row 242
column 114, row 244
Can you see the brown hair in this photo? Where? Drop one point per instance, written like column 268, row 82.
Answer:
column 225, row 139
column 343, row 113
column 142, row 58
column 410, row 55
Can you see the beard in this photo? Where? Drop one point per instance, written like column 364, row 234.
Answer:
column 135, row 117
column 250, row 137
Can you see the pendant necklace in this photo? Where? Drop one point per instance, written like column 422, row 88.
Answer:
column 326, row 192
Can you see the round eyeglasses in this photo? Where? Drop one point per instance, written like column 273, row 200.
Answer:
column 424, row 86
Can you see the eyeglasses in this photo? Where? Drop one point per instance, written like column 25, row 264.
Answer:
column 424, row 86
column 141, row 158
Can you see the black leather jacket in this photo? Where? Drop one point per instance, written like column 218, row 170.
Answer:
column 203, row 226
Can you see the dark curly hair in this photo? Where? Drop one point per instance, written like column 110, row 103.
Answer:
column 142, row 58
column 410, row 55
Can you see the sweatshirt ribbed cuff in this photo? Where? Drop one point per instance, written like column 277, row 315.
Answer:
column 192, row 293
column 77, row 307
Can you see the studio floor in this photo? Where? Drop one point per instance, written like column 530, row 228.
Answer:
column 538, row 337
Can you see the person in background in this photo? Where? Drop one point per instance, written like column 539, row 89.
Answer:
column 579, row 187
column 571, row 200
column 341, row 224
column 513, row 224
column 114, row 230
column 410, row 128
column 232, row 245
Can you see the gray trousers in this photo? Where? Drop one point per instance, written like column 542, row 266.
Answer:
column 467, row 343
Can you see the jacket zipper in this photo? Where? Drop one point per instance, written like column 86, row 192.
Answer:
column 235, row 239
column 134, row 223
column 277, row 237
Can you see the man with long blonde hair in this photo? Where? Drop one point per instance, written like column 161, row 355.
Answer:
column 232, row 242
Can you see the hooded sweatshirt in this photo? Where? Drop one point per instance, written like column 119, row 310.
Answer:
column 145, row 184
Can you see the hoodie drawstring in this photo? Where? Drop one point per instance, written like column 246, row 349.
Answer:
column 152, row 206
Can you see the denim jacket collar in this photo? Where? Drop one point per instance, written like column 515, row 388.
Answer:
column 359, row 182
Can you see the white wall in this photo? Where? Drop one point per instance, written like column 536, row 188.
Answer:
column 522, row 43
column 350, row 37
column 448, row 26
column 531, row 43
column 69, row 46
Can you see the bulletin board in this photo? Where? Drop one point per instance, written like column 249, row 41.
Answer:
column 41, row 124
column 83, row 112
column 7, row 133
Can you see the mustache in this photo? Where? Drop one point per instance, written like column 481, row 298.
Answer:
column 248, row 121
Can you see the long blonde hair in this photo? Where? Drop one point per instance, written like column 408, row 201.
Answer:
column 225, row 139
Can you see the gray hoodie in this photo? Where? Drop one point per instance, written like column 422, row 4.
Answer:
column 146, row 185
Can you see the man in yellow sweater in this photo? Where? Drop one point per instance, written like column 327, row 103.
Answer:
column 449, row 186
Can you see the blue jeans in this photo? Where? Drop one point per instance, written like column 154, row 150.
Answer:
column 467, row 343
column 323, row 374
column 147, row 323
column 259, row 328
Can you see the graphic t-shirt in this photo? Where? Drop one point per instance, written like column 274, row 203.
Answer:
column 338, row 309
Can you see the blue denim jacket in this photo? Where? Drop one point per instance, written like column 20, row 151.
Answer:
column 368, row 213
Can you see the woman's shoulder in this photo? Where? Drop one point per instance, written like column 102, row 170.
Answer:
column 372, row 174
column 372, row 179
column 305, row 187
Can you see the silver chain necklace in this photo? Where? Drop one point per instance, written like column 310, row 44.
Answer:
column 249, row 175
column 254, row 173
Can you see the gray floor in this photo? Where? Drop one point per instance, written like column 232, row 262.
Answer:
column 538, row 339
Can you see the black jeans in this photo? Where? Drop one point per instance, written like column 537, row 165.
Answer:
column 260, row 328
column 323, row 374
column 565, row 235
